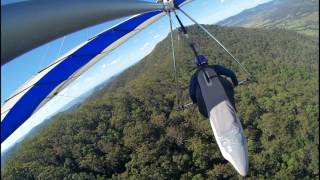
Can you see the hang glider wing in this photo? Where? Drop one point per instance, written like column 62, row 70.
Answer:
column 180, row 3
column 53, row 79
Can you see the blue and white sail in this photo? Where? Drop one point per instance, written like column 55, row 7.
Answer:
column 53, row 79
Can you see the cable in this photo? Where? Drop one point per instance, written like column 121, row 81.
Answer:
column 43, row 56
column 221, row 45
column 84, row 55
column 61, row 45
column 103, row 52
column 74, row 56
column 174, row 60
column 60, row 48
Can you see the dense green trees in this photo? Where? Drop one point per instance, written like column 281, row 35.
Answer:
column 133, row 130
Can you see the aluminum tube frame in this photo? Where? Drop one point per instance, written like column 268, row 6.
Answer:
column 174, row 60
column 29, row 24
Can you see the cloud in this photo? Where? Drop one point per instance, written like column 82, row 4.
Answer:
column 114, row 62
column 145, row 46
column 221, row 1
column 156, row 36
column 110, row 63
column 88, row 79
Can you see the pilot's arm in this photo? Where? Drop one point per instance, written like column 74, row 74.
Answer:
column 221, row 70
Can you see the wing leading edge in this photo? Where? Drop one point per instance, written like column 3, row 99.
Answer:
column 53, row 79
column 49, row 82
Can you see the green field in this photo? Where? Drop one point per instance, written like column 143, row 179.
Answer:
column 296, row 15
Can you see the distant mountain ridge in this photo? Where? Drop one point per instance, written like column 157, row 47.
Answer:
column 301, row 16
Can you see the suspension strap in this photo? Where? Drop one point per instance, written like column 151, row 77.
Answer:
column 185, row 33
column 249, row 76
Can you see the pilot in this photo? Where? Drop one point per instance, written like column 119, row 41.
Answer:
column 214, row 95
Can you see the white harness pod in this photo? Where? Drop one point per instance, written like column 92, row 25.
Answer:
column 224, row 121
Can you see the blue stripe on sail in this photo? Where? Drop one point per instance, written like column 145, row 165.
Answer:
column 179, row 2
column 27, row 104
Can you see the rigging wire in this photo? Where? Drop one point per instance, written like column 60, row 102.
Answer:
column 192, row 46
column 61, row 45
column 44, row 55
column 174, row 60
column 74, row 56
column 172, row 46
column 84, row 55
column 221, row 45
column 63, row 82
column 182, row 106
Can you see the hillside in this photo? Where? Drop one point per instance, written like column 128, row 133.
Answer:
column 15, row 148
column 295, row 15
column 69, row 107
column 132, row 130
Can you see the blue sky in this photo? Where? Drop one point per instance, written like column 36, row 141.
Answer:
column 15, row 73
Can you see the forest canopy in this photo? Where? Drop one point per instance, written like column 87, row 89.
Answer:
column 132, row 129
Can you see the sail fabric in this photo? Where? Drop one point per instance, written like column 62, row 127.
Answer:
column 50, row 81
column 180, row 3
